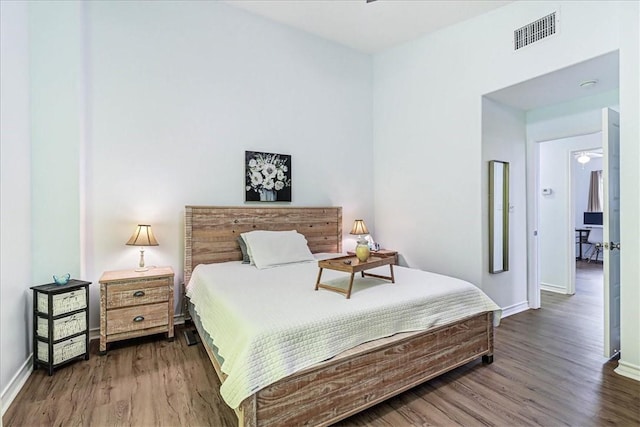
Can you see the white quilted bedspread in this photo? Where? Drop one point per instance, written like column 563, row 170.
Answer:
column 268, row 324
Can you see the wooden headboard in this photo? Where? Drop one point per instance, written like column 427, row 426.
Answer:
column 211, row 232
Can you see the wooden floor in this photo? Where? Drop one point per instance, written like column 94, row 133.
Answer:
column 548, row 371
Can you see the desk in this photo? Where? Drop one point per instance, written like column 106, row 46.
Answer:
column 582, row 235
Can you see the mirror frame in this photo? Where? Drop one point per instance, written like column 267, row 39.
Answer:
column 498, row 216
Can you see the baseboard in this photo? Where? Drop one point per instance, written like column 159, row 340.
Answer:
column 553, row 288
column 16, row 384
column 515, row 309
column 178, row 319
column 628, row 370
column 94, row 334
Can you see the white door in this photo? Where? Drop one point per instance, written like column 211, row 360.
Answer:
column 611, row 226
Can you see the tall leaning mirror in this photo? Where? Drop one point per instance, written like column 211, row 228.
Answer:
column 498, row 216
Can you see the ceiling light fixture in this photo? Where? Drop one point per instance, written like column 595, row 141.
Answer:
column 583, row 158
column 589, row 83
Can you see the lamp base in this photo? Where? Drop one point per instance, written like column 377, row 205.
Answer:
column 141, row 266
column 362, row 251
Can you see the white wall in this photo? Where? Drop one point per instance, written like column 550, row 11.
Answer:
column 175, row 93
column 504, row 138
column 56, row 131
column 15, row 195
column 428, row 136
column 556, row 227
column 629, row 364
column 427, row 105
column 178, row 92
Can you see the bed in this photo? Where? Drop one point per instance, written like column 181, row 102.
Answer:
column 332, row 389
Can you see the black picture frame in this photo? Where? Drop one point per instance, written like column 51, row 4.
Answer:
column 267, row 177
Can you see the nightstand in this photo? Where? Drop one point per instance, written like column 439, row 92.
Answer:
column 135, row 304
column 60, row 324
column 382, row 253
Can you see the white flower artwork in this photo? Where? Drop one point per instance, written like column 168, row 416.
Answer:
column 267, row 177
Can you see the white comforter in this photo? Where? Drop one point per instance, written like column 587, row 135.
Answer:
column 268, row 324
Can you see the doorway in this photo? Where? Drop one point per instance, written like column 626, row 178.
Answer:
column 562, row 203
column 599, row 216
column 576, row 114
column 588, row 202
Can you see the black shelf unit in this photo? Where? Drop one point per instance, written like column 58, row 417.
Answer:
column 64, row 303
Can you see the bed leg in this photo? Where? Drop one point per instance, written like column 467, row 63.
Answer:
column 190, row 336
column 487, row 359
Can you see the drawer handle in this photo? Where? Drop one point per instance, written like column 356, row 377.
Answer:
column 138, row 318
column 138, row 294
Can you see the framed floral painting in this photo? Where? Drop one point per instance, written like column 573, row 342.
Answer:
column 267, row 177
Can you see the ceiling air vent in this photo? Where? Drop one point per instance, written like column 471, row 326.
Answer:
column 537, row 30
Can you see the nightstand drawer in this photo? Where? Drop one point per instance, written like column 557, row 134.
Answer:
column 137, row 293
column 135, row 318
column 64, row 326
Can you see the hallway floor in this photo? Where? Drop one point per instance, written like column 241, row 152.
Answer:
column 590, row 279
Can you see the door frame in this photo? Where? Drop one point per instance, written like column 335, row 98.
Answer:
column 571, row 246
column 532, row 153
column 533, row 193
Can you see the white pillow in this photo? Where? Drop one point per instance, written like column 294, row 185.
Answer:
column 248, row 249
column 273, row 248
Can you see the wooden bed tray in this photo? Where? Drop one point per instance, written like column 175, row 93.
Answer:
column 353, row 380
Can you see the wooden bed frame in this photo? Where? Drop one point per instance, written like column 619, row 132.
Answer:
column 351, row 381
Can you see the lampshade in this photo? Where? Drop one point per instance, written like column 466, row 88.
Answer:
column 143, row 236
column 359, row 227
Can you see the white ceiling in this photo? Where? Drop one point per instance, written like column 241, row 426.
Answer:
column 368, row 27
column 563, row 85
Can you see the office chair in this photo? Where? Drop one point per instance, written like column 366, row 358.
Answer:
column 595, row 239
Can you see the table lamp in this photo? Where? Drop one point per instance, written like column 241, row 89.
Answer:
column 142, row 236
column 362, row 248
